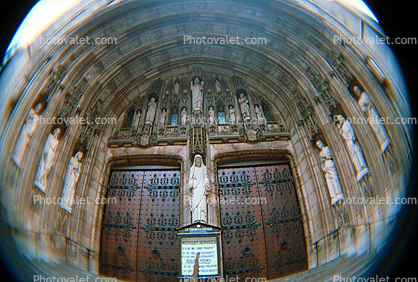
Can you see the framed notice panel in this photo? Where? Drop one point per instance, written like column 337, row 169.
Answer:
column 200, row 248
column 207, row 247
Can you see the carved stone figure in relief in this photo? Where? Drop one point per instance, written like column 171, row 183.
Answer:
column 330, row 172
column 26, row 134
column 199, row 189
column 245, row 108
column 197, row 94
column 137, row 119
column 177, row 87
column 163, row 117
column 373, row 118
column 232, row 117
column 260, row 119
column 70, row 183
column 211, row 116
column 152, row 107
column 183, row 117
column 218, row 86
column 47, row 160
column 356, row 153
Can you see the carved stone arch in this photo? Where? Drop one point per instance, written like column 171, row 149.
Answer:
column 221, row 101
column 144, row 63
column 302, row 104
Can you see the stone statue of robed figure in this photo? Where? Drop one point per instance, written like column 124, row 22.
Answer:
column 47, row 160
column 330, row 172
column 199, row 189
column 71, row 180
column 196, row 87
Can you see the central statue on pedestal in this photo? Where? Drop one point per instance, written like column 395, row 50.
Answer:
column 197, row 94
column 199, row 189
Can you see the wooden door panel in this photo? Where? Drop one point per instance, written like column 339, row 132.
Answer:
column 139, row 241
column 120, row 225
column 286, row 253
column 276, row 245
column 158, row 246
column 242, row 229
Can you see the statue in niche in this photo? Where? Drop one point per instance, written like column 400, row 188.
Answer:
column 177, row 87
column 163, row 117
column 183, row 117
column 26, row 134
column 199, row 189
column 373, row 118
column 218, row 86
column 260, row 119
column 152, row 107
column 330, row 172
column 356, row 153
column 245, row 108
column 211, row 116
column 232, row 117
column 197, row 94
column 47, row 160
column 70, row 183
column 137, row 119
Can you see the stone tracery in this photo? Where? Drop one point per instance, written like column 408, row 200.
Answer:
column 218, row 112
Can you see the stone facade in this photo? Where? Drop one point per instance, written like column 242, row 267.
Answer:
column 295, row 86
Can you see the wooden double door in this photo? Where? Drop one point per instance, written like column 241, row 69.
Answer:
column 262, row 232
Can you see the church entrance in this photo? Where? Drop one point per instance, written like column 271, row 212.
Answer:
column 262, row 232
column 138, row 241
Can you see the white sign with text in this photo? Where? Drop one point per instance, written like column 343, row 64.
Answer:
column 208, row 259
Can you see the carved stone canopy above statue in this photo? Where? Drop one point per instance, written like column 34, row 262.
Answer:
column 238, row 83
column 156, row 86
column 196, row 71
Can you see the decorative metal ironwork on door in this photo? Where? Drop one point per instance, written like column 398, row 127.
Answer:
column 138, row 240
column 262, row 232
